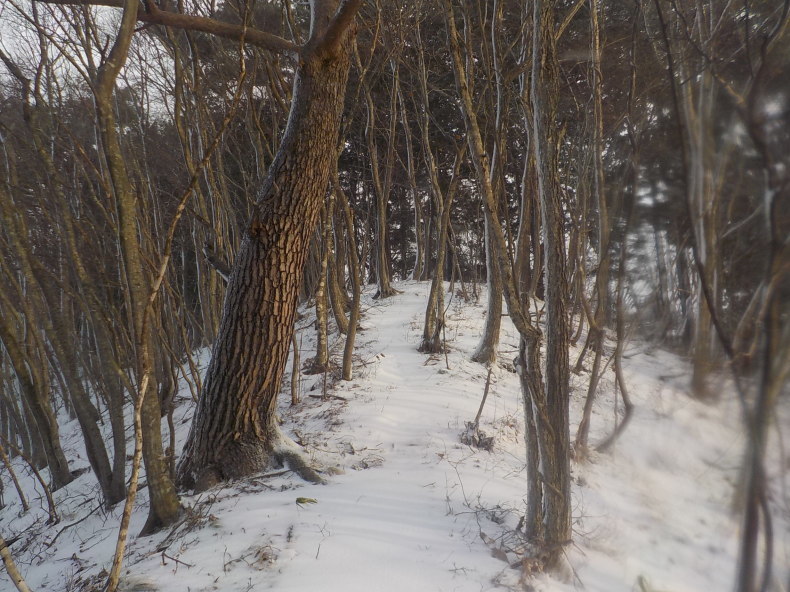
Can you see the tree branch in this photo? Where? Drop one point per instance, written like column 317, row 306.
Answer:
column 569, row 17
column 189, row 22
column 335, row 31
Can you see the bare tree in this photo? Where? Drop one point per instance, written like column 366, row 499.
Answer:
column 234, row 431
column 769, row 346
column 549, row 511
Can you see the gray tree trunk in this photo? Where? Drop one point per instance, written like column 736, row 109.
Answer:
column 554, row 427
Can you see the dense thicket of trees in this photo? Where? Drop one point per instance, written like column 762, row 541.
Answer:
column 598, row 164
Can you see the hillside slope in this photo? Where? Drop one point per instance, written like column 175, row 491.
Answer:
column 407, row 506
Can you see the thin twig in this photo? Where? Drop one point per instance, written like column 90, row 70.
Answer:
column 485, row 396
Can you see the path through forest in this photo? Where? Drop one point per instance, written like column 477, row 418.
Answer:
column 408, row 507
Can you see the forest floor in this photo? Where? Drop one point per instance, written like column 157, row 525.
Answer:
column 407, row 506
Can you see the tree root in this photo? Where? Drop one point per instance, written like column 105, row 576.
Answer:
column 286, row 452
column 241, row 460
column 297, row 463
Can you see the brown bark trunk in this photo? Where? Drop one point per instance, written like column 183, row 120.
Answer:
column 234, row 431
column 320, row 363
column 356, row 277
column 337, row 295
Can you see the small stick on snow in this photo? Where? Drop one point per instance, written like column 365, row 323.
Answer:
column 177, row 561
column 485, row 396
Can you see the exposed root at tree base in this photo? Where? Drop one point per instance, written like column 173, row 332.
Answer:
column 297, row 463
column 386, row 293
column 242, row 459
column 485, row 355
column 286, row 452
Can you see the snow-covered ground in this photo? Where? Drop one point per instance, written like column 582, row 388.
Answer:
column 407, row 506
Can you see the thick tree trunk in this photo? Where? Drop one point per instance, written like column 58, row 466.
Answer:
column 234, row 431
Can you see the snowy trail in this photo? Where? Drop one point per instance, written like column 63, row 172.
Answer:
column 406, row 504
column 370, row 524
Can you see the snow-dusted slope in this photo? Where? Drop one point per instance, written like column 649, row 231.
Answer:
column 408, row 507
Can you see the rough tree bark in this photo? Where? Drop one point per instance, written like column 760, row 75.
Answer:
column 234, row 431
column 555, row 453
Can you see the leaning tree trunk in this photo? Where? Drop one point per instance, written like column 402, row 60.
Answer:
column 234, row 431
